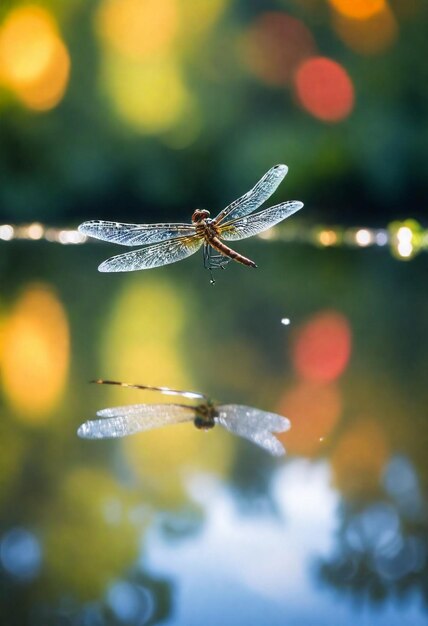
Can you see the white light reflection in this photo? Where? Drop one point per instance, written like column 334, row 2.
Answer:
column 71, row 236
column 35, row 231
column 131, row 604
column 381, row 237
column 265, row 561
column 363, row 237
column 405, row 242
column 20, row 554
column 271, row 558
column 286, row 321
column 6, row 232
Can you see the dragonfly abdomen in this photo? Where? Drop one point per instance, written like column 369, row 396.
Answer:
column 232, row 254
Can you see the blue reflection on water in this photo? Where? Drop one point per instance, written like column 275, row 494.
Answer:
column 401, row 482
column 21, row 554
column 90, row 615
column 262, row 570
column 131, row 604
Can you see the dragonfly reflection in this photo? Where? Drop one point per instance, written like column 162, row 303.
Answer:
column 168, row 243
column 245, row 421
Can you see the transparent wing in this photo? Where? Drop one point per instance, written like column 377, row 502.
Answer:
column 257, row 223
column 153, row 256
column 135, row 234
column 127, row 420
column 255, row 425
column 256, row 196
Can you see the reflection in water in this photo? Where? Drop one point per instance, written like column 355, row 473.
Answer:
column 267, row 561
column 253, row 424
column 20, row 554
column 270, row 535
column 36, row 354
column 382, row 545
column 130, row 603
column 322, row 347
column 402, row 484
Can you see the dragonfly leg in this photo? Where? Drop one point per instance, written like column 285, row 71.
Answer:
column 214, row 261
column 207, row 261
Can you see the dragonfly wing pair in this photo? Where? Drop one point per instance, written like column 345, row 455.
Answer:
column 120, row 421
column 255, row 425
column 252, row 424
column 168, row 243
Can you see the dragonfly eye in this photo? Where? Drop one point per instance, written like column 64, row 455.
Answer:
column 199, row 215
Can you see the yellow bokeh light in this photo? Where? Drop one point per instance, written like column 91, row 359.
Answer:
column 36, row 354
column 84, row 550
column 50, row 88
column 34, row 62
column 358, row 9
column 2, row 325
column 140, row 342
column 369, row 36
column 197, row 16
column 151, row 97
column 138, row 29
column 27, row 40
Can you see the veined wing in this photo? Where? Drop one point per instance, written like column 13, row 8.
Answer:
column 256, row 196
column 257, row 223
column 127, row 420
column 153, row 256
column 255, row 425
column 135, row 234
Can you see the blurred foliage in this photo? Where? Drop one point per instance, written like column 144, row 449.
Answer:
column 163, row 112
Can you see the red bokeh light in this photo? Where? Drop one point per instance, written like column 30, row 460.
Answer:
column 275, row 45
column 314, row 410
column 324, row 89
column 322, row 347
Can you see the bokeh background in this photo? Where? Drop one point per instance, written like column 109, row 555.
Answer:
column 143, row 110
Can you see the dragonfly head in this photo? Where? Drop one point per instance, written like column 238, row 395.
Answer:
column 199, row 215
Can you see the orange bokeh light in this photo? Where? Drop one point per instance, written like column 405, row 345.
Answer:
column 322, row 347
column 34, row 62
column 358, row 9
column 370, row 36
column 36, row 354
column 359, row 458
column 314, row 410
column 275, row 45
column 324, row 89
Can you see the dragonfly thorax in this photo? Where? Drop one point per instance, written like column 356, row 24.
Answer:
column 204, row 417
column 199, row 215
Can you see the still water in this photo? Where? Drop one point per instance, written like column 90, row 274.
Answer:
column 183, row 527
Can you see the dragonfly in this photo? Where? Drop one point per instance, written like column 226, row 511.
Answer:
column 168, row 243
column 253, row 424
